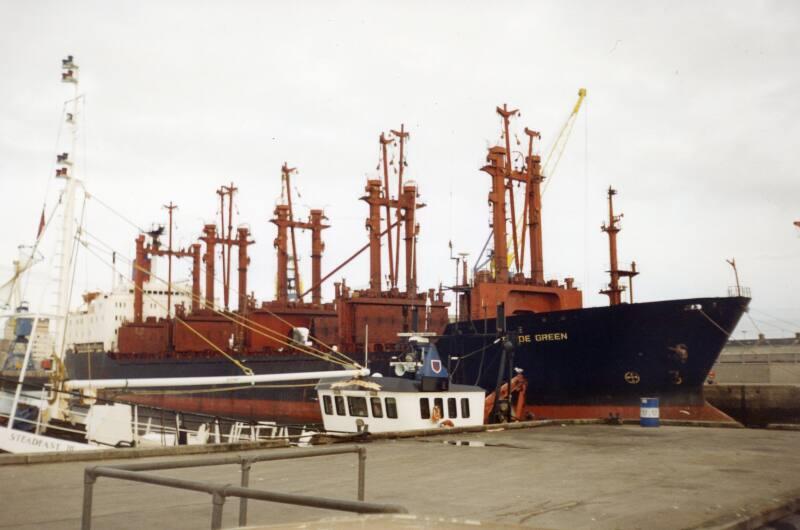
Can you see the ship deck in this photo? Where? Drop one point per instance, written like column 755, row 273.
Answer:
column 571, row 476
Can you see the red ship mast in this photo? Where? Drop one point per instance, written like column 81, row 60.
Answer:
column 402, row 136
column 170, row 207
column 226, row 191
column 519, row 292
column 385, row 312
column 210, row 239
column 614, row 290
column 507, row 180
column 368, row 319
column 145, row 253
column 533, row 205
column 143, row 263
column 408, row 205
column 317, row 248
column 405, row 205
column 284, row 220
column 286, row 173
column 392, row 276
column 374, row 199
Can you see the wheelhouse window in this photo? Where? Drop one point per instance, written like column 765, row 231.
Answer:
column 327, row 404
column 377, row 409
column 424, row 408
column 357, row 406
column 465, row 407
column 452, row 408
column 339, row 400
column 391, row 408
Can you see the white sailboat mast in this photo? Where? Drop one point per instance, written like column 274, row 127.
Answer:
column 67, row 171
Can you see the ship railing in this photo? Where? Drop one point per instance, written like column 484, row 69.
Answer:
column 220, row 492
column 155, row 426
column 209, row 432
column 149, row 434
column 734, row 290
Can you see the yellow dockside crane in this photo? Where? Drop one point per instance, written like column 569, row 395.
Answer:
column 552, row 160
column 554, row 156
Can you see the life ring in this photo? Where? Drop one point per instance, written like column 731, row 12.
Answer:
column 446, row 423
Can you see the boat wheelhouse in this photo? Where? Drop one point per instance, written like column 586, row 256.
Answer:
column 392, row 404
column 421, row 397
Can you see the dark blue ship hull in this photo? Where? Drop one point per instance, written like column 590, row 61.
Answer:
column 603, row 355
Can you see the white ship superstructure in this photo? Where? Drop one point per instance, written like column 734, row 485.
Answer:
column 95, row 325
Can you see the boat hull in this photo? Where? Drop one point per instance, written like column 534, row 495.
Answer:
column 589, row 363
column 599, row 361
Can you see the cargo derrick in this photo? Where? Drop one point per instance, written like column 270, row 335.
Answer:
column 371, row 318
column 520, row 293
column 194, row 331
column 368, row 318
column 289, row 311
column 199, row 330
column 154, row 336
column 264, row 329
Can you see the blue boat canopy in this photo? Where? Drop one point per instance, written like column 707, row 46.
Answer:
column 434, row 375
column 432, row 365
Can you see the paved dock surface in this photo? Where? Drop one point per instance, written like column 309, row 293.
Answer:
column 578, row 476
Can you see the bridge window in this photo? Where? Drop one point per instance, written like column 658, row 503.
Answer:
column 357, row 406
column 339, row 400
column 465, row 407
column 391, row 408
column 377, row 410
column 424, row 408
column 326, row 403
column 452, row 409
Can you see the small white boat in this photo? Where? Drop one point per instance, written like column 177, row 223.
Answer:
column 422, row 398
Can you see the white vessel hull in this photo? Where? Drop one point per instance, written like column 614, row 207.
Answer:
column 14, row 441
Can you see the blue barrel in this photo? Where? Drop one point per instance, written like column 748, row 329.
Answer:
column 23, row 327
column 648, row 412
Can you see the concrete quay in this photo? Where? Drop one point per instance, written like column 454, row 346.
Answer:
column 757, row 404
column 556, row 477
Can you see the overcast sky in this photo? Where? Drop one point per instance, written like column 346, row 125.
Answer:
column 692, row 114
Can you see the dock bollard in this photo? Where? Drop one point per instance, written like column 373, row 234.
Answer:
column 648, row 412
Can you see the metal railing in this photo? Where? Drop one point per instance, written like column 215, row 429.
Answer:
column 220, row 492
column 739, row 290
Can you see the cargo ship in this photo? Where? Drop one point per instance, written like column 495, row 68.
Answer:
column 579, row 361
